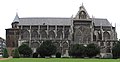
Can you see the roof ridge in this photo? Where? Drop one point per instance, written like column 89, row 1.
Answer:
column 48, row 17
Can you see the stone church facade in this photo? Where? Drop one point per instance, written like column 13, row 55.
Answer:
column 63, row 32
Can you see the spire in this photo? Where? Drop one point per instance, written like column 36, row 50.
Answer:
column 82, row 3
column 82, row 13
column 16, row 19
column 115, row 26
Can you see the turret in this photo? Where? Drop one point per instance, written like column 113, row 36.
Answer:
column 15, row 21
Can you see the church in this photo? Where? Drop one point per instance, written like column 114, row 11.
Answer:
column 63, row 32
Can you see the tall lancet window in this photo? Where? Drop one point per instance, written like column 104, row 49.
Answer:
column 82, row 15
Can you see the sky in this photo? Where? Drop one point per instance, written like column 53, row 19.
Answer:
column 57, row 8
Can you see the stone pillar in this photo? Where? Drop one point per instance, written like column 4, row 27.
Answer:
column 47, row 30
column 39, row 32
column 30, row 36
column 55, row 31
column 63, row 32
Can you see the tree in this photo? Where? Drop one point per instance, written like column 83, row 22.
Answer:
column 77, row 50
column 92, row 50
column 16, row 53
column 5, row 53
column 116, row 50
column 25, row 50
column 46, row 49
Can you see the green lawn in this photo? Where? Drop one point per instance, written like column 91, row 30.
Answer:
column 58, row 60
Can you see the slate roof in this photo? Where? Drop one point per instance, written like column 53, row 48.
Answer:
column 101, row 21
column 45, row 20
column 57, row 21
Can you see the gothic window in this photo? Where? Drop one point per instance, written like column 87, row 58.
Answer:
column 43, row 34
column 108, row 50
column 65, row 45
column 101, row 43
column 78, row 35
column 94, row 37
column 66, row 33
column 82, row 15
column 106, row 36
column 51, row 34
column 108, row 43
column 99, row 36
column 59, row 34
column 34, row 34
column 25, row 34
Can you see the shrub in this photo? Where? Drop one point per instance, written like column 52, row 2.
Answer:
column 58, row 55
column 77, row 50
column 47, row 48
column 92, row 50
column 5, row 53
column 25, row 50
column 35, row 55
column 116, row 50
column 16, row 53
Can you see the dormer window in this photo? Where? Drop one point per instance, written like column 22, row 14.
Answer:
column 82, row 15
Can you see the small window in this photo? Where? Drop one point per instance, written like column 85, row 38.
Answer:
column 82, row 15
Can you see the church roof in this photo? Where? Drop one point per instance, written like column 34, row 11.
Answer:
column 57, row 21
column 45, row 20
column 101, row 22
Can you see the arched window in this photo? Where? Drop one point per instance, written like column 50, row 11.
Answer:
column 67, row 33
column 82, row 15
column 43, row 34
column 106, row 35
column 94, row 37
column 51, row 34
column 99, row 36
column 60, row 34
column 101, row 43
column 34, row 34
column 78, row 36
column 108, row 50
column 25, row 34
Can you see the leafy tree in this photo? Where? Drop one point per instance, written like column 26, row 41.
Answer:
column 77, row 50
column 16, row 53
column 25, row 50
column 46, row 49
column 92, row 50
column 116, row 50
column 5, row 53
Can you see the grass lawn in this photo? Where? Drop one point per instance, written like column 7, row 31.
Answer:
column 58, row 60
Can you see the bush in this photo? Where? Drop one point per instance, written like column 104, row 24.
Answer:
column 25, row 50
column 92, row 50
column 16, row 53
column 35, row 55
column 5, row 53
column 77, row 50
column 116, row 50
column 47, row 48
column 58, row 55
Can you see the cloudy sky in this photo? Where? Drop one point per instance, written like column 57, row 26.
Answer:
column 109, row 9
